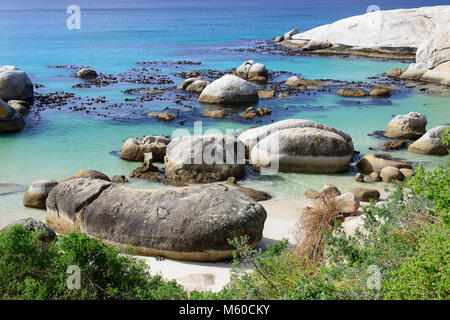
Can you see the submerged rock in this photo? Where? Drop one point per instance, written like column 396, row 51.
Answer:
column 407, row 126
column 356, row 93
column 37, row 193
column 134, row 148
column 266, row 94
column 191, row 223
column 229, row 89
column 204, row 159
column 430, row 143
column 219, row 114
column 15, row 84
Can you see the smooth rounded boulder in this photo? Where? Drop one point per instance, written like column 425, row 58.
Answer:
column 204, row 159
column 37, row 193
column 10, row 119
column 407, row 126
column 430, row 143
column 15, row 84
column 310, row 150
column 191, row 223
column 133, row 149
column 375, row 162
column 194, row 85
column 90, row 174
column 389, row 174
column 252, row 136
column 229, row 89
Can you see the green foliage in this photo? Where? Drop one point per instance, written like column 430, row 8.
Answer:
column 32, row 269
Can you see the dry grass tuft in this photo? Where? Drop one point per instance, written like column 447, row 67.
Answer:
column 310, row 228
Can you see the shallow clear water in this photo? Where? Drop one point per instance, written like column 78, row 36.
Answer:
column 113, row 40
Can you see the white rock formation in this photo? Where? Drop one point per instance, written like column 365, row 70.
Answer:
column 386, row 28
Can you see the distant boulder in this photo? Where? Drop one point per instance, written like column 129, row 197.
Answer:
column 15, row 84
column 229, row 89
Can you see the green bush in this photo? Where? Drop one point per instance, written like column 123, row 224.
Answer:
column 32, row 269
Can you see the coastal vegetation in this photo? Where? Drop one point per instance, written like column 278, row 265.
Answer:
column 402, row 252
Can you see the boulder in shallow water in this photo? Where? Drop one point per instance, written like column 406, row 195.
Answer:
column 430, row 143
column 21, row 106
column 407, row 126
column 252, row 71
column 395, row 73
column 133, row 149
column 194, row 85
column 37, row 193
column 229, row 89
column 218, row 114
column 303, row 150
column 204, row 159
column 15, row 84
column 86, row 73
column 10, row 119
column 380, row 92
column 355, row 93
column 191, row 223
column 377, row 161
column 252, row 136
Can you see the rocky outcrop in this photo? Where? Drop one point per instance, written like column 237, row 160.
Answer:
column 204, row 159
column 400, row 28
column 432, row 57
column 251, row 112
column 192, row 223
column 133, row 149
column 252, row 71
column 194, row 85
column 430, row 143
column 375, row 162
column 407, row 126
column 229, row 89
column 37, row 193
column 252, row 136
column 15, row 84
column 303, row 150
column 86, row 73
column 10, row 119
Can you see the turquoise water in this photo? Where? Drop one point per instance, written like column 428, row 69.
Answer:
column 112, row 40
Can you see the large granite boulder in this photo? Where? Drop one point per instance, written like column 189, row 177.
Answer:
column 389, row 174
column 303, row 150
column 191, row 223
column 10, row 119
column 430, row 143
column 15, row 84
column 252, row 136
column 252, row 71
column 375, row 162
column 229, row 89
column 204, row 159
column 133, row 149
column 407, row 126
column 397, row 28
column 37, row 193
